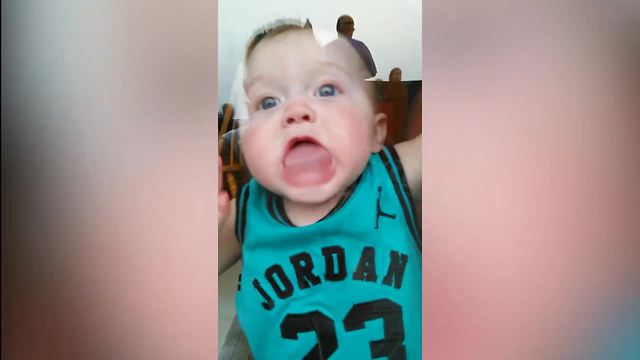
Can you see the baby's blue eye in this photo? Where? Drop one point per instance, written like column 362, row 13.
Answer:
column 327, row 90
column 268, row 102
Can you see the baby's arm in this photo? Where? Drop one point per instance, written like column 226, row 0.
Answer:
column 229, row 249
column 410, row 153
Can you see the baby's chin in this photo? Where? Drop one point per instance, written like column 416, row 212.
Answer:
column 312, row 195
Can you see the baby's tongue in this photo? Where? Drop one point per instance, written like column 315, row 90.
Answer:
column 307, row 164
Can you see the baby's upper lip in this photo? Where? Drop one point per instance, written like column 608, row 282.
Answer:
column 299, row 139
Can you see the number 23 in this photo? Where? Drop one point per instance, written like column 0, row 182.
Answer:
column 324, row 327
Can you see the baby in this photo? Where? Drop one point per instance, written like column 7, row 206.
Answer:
column 326, row 228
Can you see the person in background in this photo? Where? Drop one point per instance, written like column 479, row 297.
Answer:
column 345, row 28
column 395, row 75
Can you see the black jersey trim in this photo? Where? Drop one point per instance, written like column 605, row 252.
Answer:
column 281, row 212
column 275, row 205
column 271, row 208
column 405, row 186
column 241, row 213
column 406, row 207
column 344, row 198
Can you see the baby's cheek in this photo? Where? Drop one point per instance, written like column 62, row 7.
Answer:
column 352, row 137
column 255, row 148
column 352, row 125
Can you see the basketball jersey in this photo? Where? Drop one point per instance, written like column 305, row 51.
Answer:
column 345, row 287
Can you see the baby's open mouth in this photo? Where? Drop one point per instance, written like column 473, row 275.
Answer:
column 306, row 162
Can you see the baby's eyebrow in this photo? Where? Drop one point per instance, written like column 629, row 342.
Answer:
column 329, row 65
column 259, row 79
column 320, row 69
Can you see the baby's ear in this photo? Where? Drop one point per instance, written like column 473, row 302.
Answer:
column 379, row 132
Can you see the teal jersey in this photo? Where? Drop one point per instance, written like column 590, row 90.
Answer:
column 346, row 287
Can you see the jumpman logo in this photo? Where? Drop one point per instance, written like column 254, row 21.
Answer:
column 379, row 211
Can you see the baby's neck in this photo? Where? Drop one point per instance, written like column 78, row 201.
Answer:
column 302, row 214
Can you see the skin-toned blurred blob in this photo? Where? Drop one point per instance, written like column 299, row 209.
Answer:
column 531, row 156
column 108, row 243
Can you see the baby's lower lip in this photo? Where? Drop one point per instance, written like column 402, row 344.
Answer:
column 307, row 179
column 307, row 164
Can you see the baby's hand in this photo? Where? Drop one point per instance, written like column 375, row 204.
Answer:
column 223, row 197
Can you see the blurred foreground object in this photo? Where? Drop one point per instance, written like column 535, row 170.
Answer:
column 108, row 180
column 532, row 154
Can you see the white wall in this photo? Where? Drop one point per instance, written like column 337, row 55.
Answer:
column 391, row 29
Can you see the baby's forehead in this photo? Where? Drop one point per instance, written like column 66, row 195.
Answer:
column 302, row 45
column 292, row 39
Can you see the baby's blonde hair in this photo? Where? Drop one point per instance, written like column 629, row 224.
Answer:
column 281, row 26
column 272, row 30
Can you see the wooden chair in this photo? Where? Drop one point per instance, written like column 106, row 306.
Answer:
column 234, row 170
column 234, row 174
column 400, row 102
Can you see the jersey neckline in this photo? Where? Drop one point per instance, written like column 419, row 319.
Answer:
column 275, row 205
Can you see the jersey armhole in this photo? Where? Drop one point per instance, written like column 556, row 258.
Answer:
column 392, row 164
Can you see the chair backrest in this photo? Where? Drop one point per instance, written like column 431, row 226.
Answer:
column 234, row 170
column 401, row 102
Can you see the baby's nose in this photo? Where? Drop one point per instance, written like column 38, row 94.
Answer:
column 298, row 114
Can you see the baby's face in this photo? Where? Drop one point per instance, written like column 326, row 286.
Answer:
column 312, row 126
